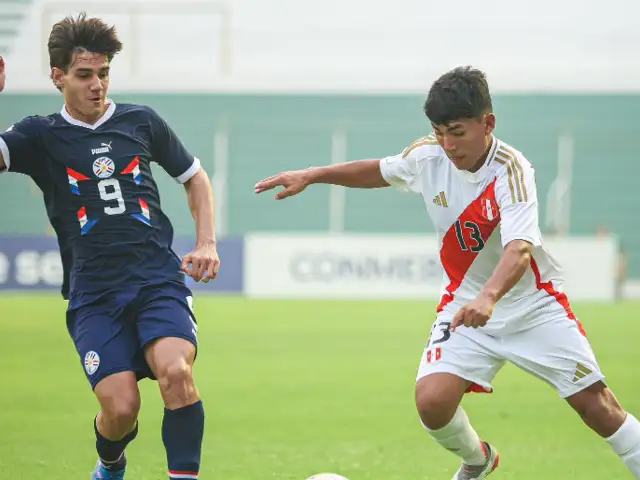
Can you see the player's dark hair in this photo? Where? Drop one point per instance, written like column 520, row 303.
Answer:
column 72, row 35
column 458, row 94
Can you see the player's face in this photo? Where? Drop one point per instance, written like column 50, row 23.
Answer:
column 85, row 85
column 466, row 141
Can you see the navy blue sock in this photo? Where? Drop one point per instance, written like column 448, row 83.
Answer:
column 112, row 453
column 182, row 433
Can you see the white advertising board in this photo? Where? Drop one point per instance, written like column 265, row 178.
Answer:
column 396, row 267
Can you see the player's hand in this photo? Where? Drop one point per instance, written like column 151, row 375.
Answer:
column 293, row 182
column 474, row 314
column 202, row 263
column 2, row 74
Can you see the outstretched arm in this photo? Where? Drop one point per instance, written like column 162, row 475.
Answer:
column 357, row 174
column 401, row 171
column 2, row 74
column 3, row 164
column 20, row 146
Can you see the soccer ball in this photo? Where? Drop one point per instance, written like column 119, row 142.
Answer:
column 327, row 476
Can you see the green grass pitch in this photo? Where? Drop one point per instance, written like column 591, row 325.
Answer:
column 293, row 388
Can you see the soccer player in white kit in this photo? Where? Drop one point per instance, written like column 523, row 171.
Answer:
column 502, row 292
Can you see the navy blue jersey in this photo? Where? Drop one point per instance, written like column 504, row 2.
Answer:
column 99, row 193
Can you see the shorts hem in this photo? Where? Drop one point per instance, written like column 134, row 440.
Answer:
column 113, row 372
column 583, row 386
column 191, row 340
column 483, row 385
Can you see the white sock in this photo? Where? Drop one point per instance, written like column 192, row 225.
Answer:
column 626, row 444
column 459, row 437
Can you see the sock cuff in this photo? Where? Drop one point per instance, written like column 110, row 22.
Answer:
column 127, row 438
column 459, row 420
column 131, row 435
column 186, row 408
column 627, row 436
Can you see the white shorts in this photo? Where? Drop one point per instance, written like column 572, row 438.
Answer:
column 554, row 351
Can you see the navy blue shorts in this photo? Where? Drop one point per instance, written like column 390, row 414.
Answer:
column 110, row 331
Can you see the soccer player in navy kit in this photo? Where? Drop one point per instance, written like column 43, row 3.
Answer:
column 129, row 312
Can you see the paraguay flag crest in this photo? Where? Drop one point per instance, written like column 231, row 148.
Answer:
column 91, row 362
column 103, row 167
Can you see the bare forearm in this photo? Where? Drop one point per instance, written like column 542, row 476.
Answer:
column 512, row 266
column 358, row 174
column 201, row 204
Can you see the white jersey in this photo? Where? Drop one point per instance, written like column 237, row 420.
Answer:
column 466, row 209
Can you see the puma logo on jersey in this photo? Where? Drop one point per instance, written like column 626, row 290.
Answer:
column 441, row 200
column 581, row 372
column 105, row 148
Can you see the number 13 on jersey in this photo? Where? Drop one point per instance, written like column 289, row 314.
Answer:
column 471, row 231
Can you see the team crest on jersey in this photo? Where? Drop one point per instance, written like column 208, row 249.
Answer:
column 489, row 209
column 91, row 362
column 103, row 167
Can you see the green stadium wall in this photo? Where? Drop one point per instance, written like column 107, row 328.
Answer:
column 269, row 133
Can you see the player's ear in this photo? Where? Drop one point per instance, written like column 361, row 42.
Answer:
column 489, row 123
column 57, row 76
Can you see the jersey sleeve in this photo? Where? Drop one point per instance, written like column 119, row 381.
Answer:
column 169, row 152
column 21, row 147
column 402, row 170
column 517, row 199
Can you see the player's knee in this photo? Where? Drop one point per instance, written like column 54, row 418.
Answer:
column 120, row 410
column 435, row 412
column 436, row 402
column 176, row 383
column 598, row 408
column 119, row 399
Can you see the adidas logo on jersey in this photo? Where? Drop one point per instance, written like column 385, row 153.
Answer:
column 441, row 200
column 105, row 148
